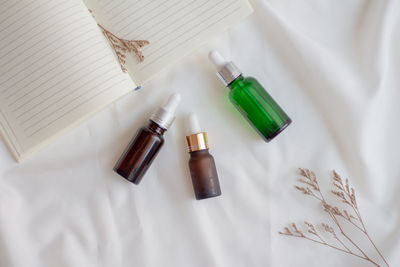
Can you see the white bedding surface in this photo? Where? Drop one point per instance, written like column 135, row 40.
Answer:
column 332, row 65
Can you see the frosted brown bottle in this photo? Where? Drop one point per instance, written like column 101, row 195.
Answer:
column 146, row 144
column 201, row 163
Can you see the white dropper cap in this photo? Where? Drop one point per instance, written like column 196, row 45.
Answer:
column 194, row 125
column 216, row 58
column 173, row 102
column 227, row 71
column 165, row 116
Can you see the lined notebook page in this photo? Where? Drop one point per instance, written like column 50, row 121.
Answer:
column 174, row 28
column 56, row 69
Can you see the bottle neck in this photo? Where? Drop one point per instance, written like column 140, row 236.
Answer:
column 154, row 127
column 235, row 82
column 228, row 73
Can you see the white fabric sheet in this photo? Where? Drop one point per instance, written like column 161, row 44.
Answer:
column 332, row 65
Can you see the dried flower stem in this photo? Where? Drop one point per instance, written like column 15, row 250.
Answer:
column 122, row 47
column 326, row 244
column 345, row 194
column 351, row 201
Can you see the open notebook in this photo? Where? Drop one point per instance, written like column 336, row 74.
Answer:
column 57, row 67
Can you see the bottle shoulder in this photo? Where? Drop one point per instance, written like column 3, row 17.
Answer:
column 250, row 79
column 200, row 155
column 150, row 133
column 243, row 83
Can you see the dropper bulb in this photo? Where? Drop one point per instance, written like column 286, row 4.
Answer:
column 194, row 125
column 216, row 58
column 173, row 102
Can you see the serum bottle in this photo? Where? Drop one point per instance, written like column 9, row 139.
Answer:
column 201, row 163
column 145, row 145
column 251, row 99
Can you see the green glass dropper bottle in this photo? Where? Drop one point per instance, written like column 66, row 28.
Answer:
column 251, row 99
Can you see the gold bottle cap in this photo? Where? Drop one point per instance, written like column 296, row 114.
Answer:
column 197, row 141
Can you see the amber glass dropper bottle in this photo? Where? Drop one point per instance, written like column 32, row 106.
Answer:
column 251, row 99
column 201, row 163
column 147, row 142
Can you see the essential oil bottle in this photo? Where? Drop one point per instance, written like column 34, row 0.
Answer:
column 201, row 163
column 147, row 142
column 251, row 99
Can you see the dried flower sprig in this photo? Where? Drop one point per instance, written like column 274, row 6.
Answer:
column 346, row 194
column 122, row 47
